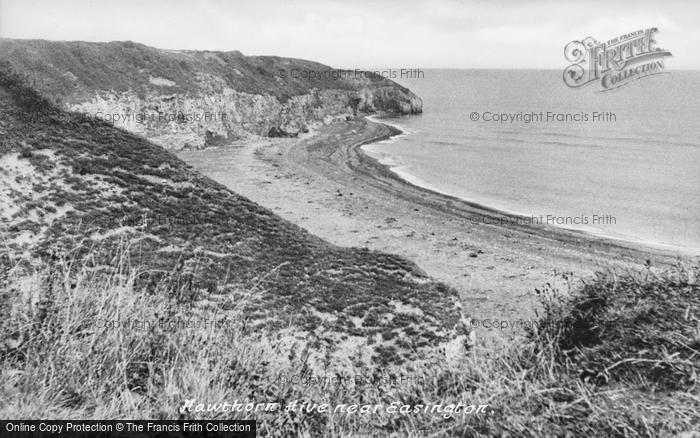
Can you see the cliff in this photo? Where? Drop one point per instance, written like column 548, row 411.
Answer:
column 181, row 99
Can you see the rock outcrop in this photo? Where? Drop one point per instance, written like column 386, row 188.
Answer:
column 188, row 99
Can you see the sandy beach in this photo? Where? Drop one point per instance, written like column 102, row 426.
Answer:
column 326, row 184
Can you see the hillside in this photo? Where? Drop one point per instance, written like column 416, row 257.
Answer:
column 79, row 189
column 192, row 99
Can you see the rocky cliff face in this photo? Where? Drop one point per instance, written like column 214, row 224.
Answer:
column 182, row 99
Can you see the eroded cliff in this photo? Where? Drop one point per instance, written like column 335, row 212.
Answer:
column 181, row 99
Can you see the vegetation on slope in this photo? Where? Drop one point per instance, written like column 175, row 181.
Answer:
column 80, row 187
column 624, row 329
column 61, row 358
column 70, row 69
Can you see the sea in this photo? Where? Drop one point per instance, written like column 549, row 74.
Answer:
column 623, row 164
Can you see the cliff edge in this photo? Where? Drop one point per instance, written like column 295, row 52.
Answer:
column 193, row 99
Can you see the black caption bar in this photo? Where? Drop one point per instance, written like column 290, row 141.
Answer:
column 128, row 428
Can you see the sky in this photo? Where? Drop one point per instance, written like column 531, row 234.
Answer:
column 366, row 33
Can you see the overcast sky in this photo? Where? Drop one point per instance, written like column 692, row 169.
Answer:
column 366, row 33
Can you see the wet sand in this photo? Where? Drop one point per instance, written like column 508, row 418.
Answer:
column 326, row 184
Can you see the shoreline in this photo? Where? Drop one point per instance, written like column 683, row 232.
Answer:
column 496, row 212
column 415, row 181
column 326, row 184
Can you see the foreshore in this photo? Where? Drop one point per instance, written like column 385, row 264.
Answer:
column 325, row 183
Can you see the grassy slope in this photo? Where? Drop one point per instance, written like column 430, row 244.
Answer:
column 57, row 363
column 88, row 179
column 121, row 66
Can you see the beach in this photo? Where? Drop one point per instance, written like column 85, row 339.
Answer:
column 325, row 183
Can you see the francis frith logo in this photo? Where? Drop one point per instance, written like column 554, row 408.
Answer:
column 614, row 63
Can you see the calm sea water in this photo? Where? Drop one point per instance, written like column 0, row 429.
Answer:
column 633, row 177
